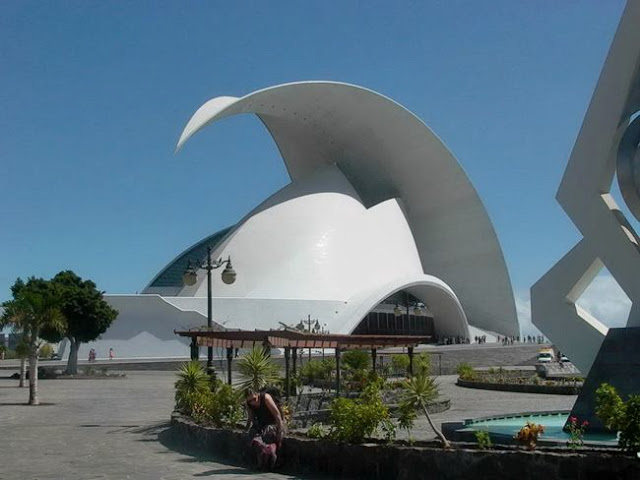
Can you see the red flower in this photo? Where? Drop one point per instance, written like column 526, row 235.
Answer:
column 585, row 423
column 573, row 420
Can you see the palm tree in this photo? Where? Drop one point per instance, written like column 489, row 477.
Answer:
column 259, row 369
column 192, row 378
column 31, row 311
column 420, row 390
column 22, row 352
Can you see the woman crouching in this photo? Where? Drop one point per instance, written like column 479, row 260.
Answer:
column 265, row 425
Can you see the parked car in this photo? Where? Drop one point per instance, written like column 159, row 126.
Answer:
column 546, row 356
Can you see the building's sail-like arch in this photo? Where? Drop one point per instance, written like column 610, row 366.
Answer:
column 386, row 152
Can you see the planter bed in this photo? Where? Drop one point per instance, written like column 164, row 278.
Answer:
column 521, row 387
column 401, row 461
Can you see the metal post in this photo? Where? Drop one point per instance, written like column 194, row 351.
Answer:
column 294, row 354
column 406, row 300
column 287, row 378
column 195, row 350
column 410, row 351
column 337, row 372
column 229, row 360
column 373, row 359
column 209, row 267
column 309, row 322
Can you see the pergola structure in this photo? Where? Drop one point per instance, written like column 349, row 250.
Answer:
column 291, row 340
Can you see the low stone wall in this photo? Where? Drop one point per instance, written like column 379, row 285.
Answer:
column 522, row 388
column 382, row 461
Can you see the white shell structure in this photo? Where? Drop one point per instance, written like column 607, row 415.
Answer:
column 608, row 139
column 377, row 204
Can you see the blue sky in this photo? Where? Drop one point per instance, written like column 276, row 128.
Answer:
column 94, row 96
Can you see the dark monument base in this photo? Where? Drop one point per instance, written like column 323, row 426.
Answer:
column 618, row 364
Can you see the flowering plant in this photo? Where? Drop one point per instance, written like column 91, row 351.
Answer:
column 528, row 435
column 576, row 433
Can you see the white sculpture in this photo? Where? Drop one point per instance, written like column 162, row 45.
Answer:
column 608, row 140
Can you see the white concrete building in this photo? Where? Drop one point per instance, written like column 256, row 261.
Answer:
column 376, row 205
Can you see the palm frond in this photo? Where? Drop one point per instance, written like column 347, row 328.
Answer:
column 258, row 368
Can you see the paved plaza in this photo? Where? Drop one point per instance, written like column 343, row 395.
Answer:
column 117, row 428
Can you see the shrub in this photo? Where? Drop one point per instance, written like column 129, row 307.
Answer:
column 422, row 364
column 528, row 435
column 225, row 407
column 576, row 433
column 620, row 416
column 609, row 407
column 316, row 370
column 483, row 438
column 385, row 370
column 316, row 430
column 353, row 420
column 357, row 360
column 221, row 407
column 630, row 432
column 406, row 418
column 465, row 371
column 400, row 363
column 46, row 351
column 197, row 405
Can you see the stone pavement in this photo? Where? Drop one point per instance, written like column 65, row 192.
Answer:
column 117, row 428
column 100, row 429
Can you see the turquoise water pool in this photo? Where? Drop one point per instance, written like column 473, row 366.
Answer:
column 553, row 422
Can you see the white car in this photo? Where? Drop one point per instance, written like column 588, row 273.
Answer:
column 545, row 357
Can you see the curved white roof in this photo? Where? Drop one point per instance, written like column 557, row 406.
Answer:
column 385, row 153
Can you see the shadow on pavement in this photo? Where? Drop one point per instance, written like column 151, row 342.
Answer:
column 223, row 471
column 229, row 467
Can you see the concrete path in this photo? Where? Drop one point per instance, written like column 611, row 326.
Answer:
column 99, row 429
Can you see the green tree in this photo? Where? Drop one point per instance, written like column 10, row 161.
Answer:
column 420, row 390
column 620, row 416
column 86, row 312
column 258, row 368
column 35, row 308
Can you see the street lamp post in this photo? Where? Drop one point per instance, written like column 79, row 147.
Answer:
column 417, row 310
column 315, row 329
column 228, row 277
